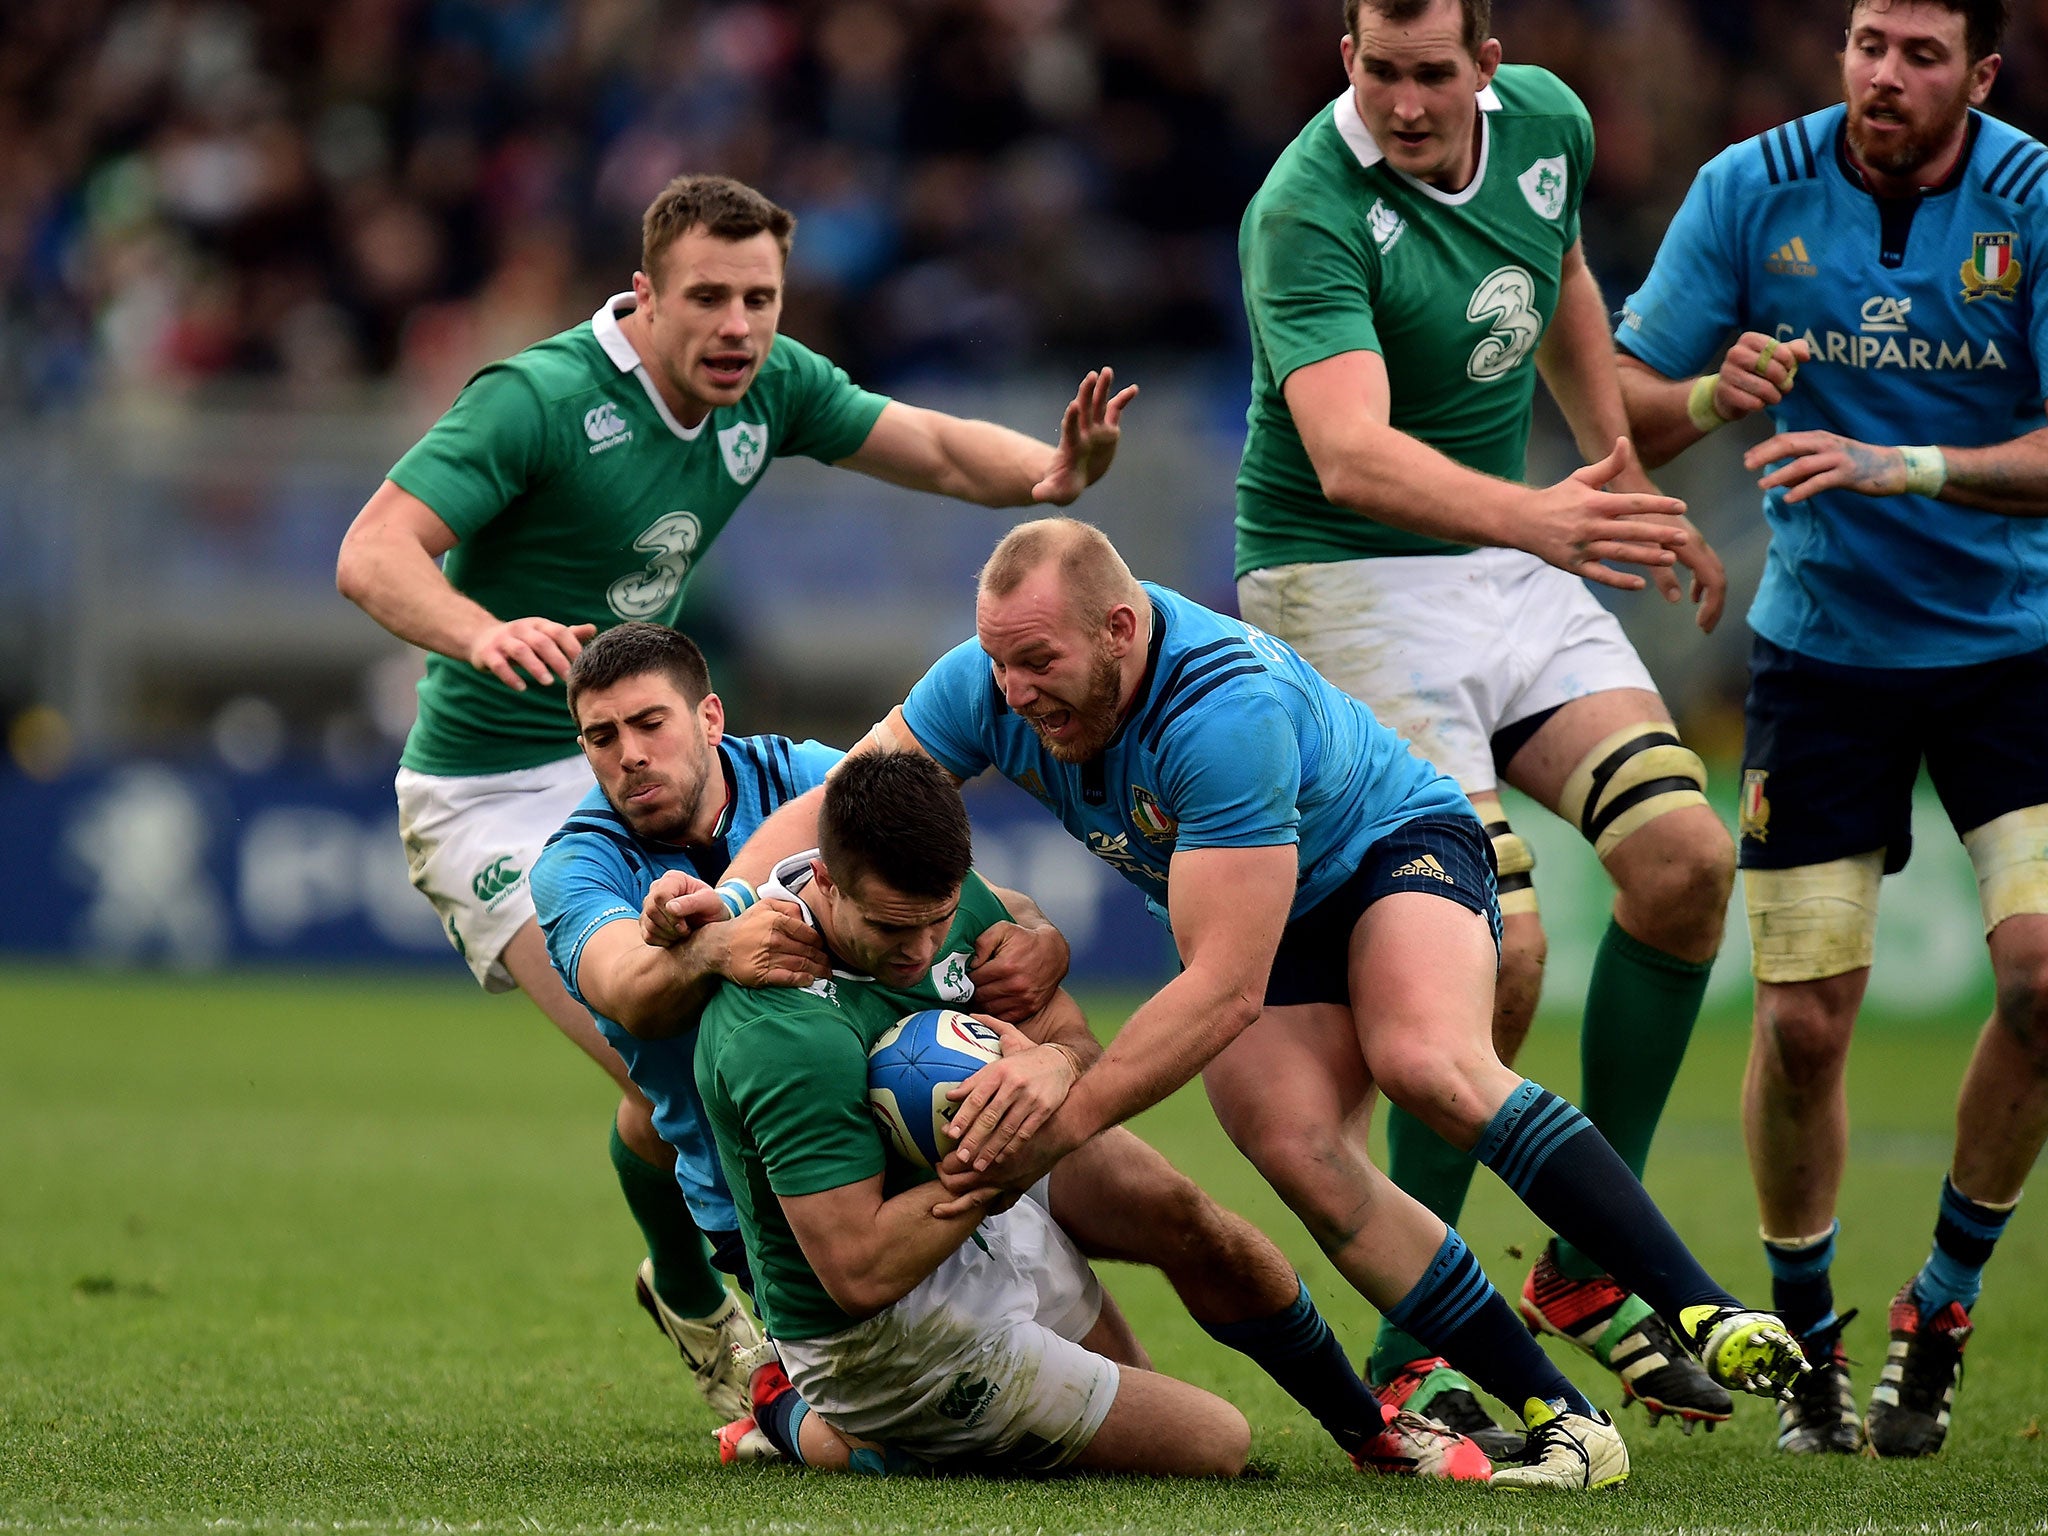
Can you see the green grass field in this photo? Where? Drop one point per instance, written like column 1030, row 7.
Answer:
column 346, row 1255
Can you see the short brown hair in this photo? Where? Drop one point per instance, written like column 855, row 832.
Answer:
column 1092, row 573
column 633, row 650
column 1478, row 17
column 1983, row 21
column 719, row 206
column 897, row 817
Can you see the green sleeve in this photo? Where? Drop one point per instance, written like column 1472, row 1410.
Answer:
column 1580, row 158
column 1307, row 292
column 480, row 457
column 798, row 1082
column 829, row 415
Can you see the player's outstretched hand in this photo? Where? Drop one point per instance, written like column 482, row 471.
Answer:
column 1709, row 580
column 1089, row 430
column 1578, row 524
column 541, row 647
column 676, row 906
column 1827, row 461
column 1016, row 970
column 1002, row 1106
column 771, row 944
column 1757, row 372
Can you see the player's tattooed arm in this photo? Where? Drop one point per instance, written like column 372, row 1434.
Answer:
column 2010, row 478
column 993, row 465
column 387, row 568
column 1757, row 372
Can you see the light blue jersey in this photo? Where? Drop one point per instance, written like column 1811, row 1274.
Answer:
column 595, row 870
column 1923, row 318
column 1234, row 742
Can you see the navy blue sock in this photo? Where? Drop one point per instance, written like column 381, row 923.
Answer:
column 1801, row 1289
column 1964, row 1235
column 1297, row 1349
column 1455, row 1310
column 1564, row 1170
column 779, row 1418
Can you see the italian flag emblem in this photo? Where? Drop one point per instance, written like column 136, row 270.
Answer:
column 1992, row 270
column 1150, row 817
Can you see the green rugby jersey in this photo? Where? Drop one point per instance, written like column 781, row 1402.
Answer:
column 783, row 1073
column 1342, row 253
column 577, row 496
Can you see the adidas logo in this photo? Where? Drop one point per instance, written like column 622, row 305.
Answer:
column 1425, row 867
column 1791, row 259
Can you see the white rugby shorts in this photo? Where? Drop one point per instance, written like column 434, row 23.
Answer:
column 469, row 843
column 1447, row 649
column 981, row 1363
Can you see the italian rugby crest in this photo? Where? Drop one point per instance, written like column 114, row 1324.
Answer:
column 744, row 446
column 1150, row 817
column 1992, row 270
column 1755, row 815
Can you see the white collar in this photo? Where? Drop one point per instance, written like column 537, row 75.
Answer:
column 786, row 882
column 605, row 326
column 1362, row 144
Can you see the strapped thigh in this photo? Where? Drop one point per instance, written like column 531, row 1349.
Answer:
column 1514, row 861
column 1815, row 921
column 1637, row 774
column 2010, row 854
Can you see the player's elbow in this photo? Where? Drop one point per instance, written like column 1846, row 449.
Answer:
column 858, row 1289
column 351, row 568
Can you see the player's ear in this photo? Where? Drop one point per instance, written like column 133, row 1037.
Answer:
column 1982, row 74
column 1122, row 621
column 1489, row 61
column 1347, row 50
column 643, row 290
column 711, row 710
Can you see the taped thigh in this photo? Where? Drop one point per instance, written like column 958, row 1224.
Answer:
column 1639, row 773
column 1514, row 861
column 2010, row 853
column 1815, row 921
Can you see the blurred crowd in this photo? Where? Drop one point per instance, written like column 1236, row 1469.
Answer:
column 316, row 193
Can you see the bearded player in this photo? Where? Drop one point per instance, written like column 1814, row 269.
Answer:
column 1888, row 252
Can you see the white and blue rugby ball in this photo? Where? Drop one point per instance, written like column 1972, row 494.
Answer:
column 909, row 1071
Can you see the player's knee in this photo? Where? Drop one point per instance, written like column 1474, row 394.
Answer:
column 1323, row 1178
column 636, row 1129
column 2023, row 1005
column 1805, row 1034
column 1440, row 1088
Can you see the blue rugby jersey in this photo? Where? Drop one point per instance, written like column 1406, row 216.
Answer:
column 595, row 870
column 1923, row 318
column 1234, row 742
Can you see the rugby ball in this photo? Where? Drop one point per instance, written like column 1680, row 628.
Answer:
column 909, row 1071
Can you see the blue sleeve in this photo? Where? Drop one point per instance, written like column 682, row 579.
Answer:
column 948, row 711
column 579, row 884
column 1232, row 775
column 2037, row 296
column 812, row 760
column 1693, row 298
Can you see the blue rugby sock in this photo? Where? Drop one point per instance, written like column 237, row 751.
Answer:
column 779, row 1419
column 1564, row 1170
column 1455, row 1310
column 1801, row 1288
column 1964, row 1235
column 1297, row 1349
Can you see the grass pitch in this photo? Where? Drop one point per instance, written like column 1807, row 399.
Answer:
column 346, row 1255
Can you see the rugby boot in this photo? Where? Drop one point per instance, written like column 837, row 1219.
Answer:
column 1909, row 1406
column 743, row 1439
column 1820, row 1415
column 1566, row 1451
column 1433, row 1388
column 1625, row 1335
column 1749, row 1351
column 1408, row 1445
column 705, row 1343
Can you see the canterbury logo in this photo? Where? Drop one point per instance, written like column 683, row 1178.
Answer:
column 603, row 426
column 1426, row 867
column 496, row 878
column 1791, row 259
